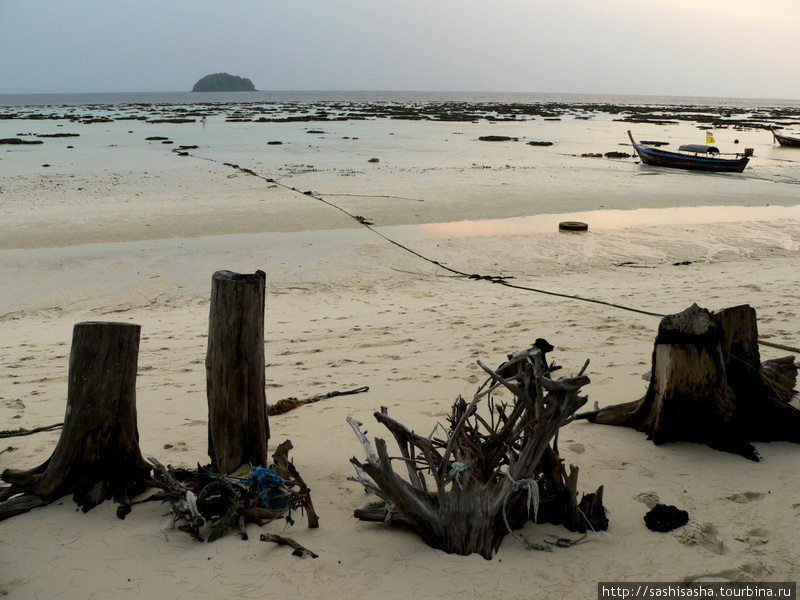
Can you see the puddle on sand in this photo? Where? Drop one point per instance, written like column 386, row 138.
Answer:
column 601, row 219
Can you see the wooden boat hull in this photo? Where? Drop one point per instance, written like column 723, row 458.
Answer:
column 676, row 160
column 786, row 140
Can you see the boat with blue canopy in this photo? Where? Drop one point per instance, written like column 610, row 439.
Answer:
column 700, row 157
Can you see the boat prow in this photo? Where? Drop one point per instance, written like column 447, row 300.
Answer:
column 785, row 140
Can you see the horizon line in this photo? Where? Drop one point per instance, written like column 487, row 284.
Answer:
column 402, row 91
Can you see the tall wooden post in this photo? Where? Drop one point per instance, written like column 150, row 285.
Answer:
column 238, row 426
column 97, row 456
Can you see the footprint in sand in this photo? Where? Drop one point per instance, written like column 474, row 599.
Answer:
column 744, row 497
column 704, row 535
column 746, row 572
column 755, row 537
column 179, row 446
column 649, row 499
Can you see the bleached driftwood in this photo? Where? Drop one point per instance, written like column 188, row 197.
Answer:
column 494, row 469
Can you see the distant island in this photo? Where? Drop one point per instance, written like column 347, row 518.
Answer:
column 222, row 82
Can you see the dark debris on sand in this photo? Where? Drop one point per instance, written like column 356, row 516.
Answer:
column 665, row 517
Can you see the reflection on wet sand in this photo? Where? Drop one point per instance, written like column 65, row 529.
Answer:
column 600, row 219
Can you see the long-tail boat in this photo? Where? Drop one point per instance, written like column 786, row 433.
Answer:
column 785, row 140
column 693, row 156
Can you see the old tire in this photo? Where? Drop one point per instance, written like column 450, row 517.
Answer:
column 572, row 226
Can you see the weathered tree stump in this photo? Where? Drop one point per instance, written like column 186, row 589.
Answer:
column 238, row 426
column 708, row 385
column 490, row 473
column 97, row 456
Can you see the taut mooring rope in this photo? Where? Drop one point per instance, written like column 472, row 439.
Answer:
column 499, row 279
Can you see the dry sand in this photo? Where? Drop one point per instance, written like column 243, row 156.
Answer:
column 347, row 309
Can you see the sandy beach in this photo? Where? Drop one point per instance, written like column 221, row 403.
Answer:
column 345, row 309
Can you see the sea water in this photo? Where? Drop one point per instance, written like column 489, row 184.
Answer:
column 433, row 160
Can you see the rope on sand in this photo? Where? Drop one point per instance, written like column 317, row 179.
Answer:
column 20, row 432
column 287, row 404
column 278, row 408
column 377, row 196
column 499, row 279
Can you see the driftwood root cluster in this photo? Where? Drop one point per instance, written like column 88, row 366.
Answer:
column 494, row 469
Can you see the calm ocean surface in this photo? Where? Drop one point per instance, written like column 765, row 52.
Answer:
column 429, row 145
column 189, row 98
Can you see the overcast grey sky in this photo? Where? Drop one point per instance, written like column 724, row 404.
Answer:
column 739, row 48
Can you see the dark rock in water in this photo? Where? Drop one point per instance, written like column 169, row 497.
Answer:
column 540, row 143
column 497, row 138
column 156, row 138
column 274, row 143
column 315, row 131
column 617, row 155
column 665, row 517
column 171, row 121
column 653, row 143
column 592, row 155
column 19, row 141
column 374, row 160
column 222, row 82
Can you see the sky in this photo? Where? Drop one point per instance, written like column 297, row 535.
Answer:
column 709, row 48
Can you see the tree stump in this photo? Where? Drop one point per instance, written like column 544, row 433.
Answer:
column 238, row 426
column 708, row 386
column 97, row 456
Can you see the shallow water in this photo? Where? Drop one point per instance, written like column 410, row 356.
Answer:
column 595, row 220
column 429, row 161
column 427, row 171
